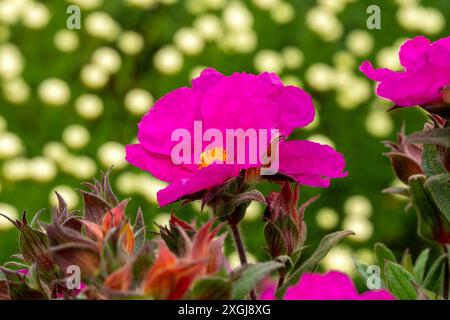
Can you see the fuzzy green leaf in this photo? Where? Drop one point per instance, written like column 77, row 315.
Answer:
column 432, row 279
column 427, row 212
column 420, row 265
column 399, row 281
column 212, row 288
column 438, row 187
column 383, row 254
column 250, row 276
column 326, row 244
column 439, row 136
column 431, row 161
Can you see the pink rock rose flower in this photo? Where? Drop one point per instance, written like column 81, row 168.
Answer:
column 426, row 72
column 329, row 286
column 240, row 101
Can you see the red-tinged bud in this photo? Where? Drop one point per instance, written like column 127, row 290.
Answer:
column 207, row 246
column 120, row 280
column 114, row 217
column 126, row 238
column 175, row 222
column 406, row 157
column 170, row 277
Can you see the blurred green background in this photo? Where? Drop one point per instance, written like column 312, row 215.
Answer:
column 71, row 99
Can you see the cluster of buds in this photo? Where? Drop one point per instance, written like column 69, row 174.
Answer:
column 422, row 162
column 114, row 258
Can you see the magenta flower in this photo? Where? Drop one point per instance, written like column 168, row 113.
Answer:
column 329, row 286
column 427, row 72
column 221, row 103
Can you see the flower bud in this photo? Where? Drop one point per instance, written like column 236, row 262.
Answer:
column 285, row 230
column 406, row 157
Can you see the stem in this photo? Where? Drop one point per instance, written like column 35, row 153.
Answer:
column 446, row 274
column 241, row 251
column 280, row 281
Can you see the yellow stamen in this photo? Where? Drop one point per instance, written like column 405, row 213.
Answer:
column 209, row 156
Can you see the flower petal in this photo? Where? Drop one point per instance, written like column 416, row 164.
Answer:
column 176, row 110
column 330, row 286
column 297, row 109
column 310, row 163
column 211, row 176
column 413, row 53
column 160, row 166
column 377, row 295
column 207, row 79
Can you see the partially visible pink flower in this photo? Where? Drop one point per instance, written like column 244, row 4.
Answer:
column 59, row 295
column 426, row 73
column 329, row 286
column 76, row 292
column 240, row 101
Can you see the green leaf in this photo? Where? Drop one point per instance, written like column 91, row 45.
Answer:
column 212, row 288
column 407, row 262
column 438, row 187
column 427, row 212
column 139, row 230
column 399, row 281
column 325, row 245
column 431, row 281
column 34, row 247
column 431, row 161
column 383, row 254
column 420, row 265
column 439, row 136
column 250, row 276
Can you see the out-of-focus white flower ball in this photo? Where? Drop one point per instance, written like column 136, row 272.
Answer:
column 112, row 154
column 138, row 101
column 76, row 136
column 168, row 60
column 100, row 25
column 89, row 106
column 54, row 92
column 108, row 59
column 94, row 76
column 130, row 42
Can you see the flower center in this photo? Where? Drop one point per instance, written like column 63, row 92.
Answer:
column 209, row 156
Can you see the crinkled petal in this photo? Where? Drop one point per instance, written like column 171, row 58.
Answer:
column 210, row 176
column 207, row 79
column 176, row 110
column 158, row 165
column 439, row 55
column 310, row 163
column 241, row 101
column 375, row 74
column 413, row 53
column 297, row 109
column 427, row 71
